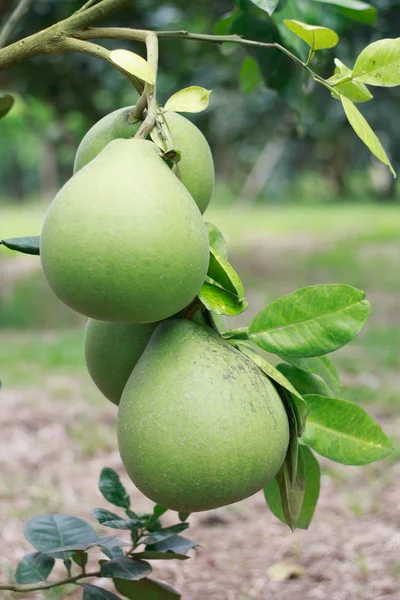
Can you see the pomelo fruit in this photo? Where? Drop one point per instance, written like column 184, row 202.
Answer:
column 199, row 425
column 111, row 352
column 196, row 165
column 123, row 240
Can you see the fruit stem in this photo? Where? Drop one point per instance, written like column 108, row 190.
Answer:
column 150, row 89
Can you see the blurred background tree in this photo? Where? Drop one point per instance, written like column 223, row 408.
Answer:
column 274, row 135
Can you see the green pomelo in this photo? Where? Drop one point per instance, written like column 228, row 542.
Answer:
column 196, row 165
column 123, row 240
column 112, row 351
column 199, row 425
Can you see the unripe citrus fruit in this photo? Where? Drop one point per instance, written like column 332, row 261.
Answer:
column 196, row 165
column 123, row 240
column 199, row 425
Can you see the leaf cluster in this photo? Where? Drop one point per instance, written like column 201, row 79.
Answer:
column 70, row 539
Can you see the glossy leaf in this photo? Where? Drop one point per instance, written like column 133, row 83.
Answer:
column 353, row 90
column 292, row 493
column 175, row 543
column 109, row 519
column 236, row 334
column 145, row 589
column 217, row 240
column 222, row 272
column 134, row 64
column 312, row 475
column 343, row 432
column 365, row 133
column 311, row 321
column 158, row 510
column 165, row 533
column 80, row 559
column 6, row 104
column 305, row 383
column 379, row 64
column 193, row 99
column 34, row 567
column 112, row 489
column 220, row 301
column 125, row 568
column 354, row 9
column 317, row 37
column 26, row 245
column 93, row 592
column 268, row 5
column 47, row 533
column 100, row 541
column 319, row 365
column 250, row 75
column 155, row 555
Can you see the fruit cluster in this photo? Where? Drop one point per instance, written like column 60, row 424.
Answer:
column 124, row 243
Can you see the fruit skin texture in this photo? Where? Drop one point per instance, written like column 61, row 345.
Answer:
column 112, row 351
column 199, row 426
column 123, row 240
column 196, row 165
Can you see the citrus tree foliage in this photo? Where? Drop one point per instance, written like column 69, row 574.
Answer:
column 301, row 328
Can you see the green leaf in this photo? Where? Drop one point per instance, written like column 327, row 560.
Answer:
column 379, row 64
column 165, row 533
column 217, row 240
column 317, row 37
column 134, row 64
column 250, row 75
column 80, row 559
column 154, row 555
column 353, row 90
column 175, row 543
column 305, row 383
column 267, row 368
column 193, row 99
column 109, row 519
column 158, row 510
column 222, row 272
column 125, row 568
column 34, row 567
column 312, row 474
column 292, row 493
column 93, row 592
column 343, row 432
column 319, row 365
column 48, row 533
column 297, row 404
column 268, row 5
column 311, row 321
column 145, row 589
column 354, row 9
column 220, row 301
column 112, row 489
column 242, row 333
column 100, row 541
column 26, row 245
column 6, row 104
column 365, row 133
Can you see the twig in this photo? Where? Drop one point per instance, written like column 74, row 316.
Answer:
column 87, row 5
column 16, row 16
column 150, row 89
column 47, row 586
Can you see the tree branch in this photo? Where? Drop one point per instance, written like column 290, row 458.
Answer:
column 87, row 5
column 23, row 589
column 149, row 89
column 16, row 16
